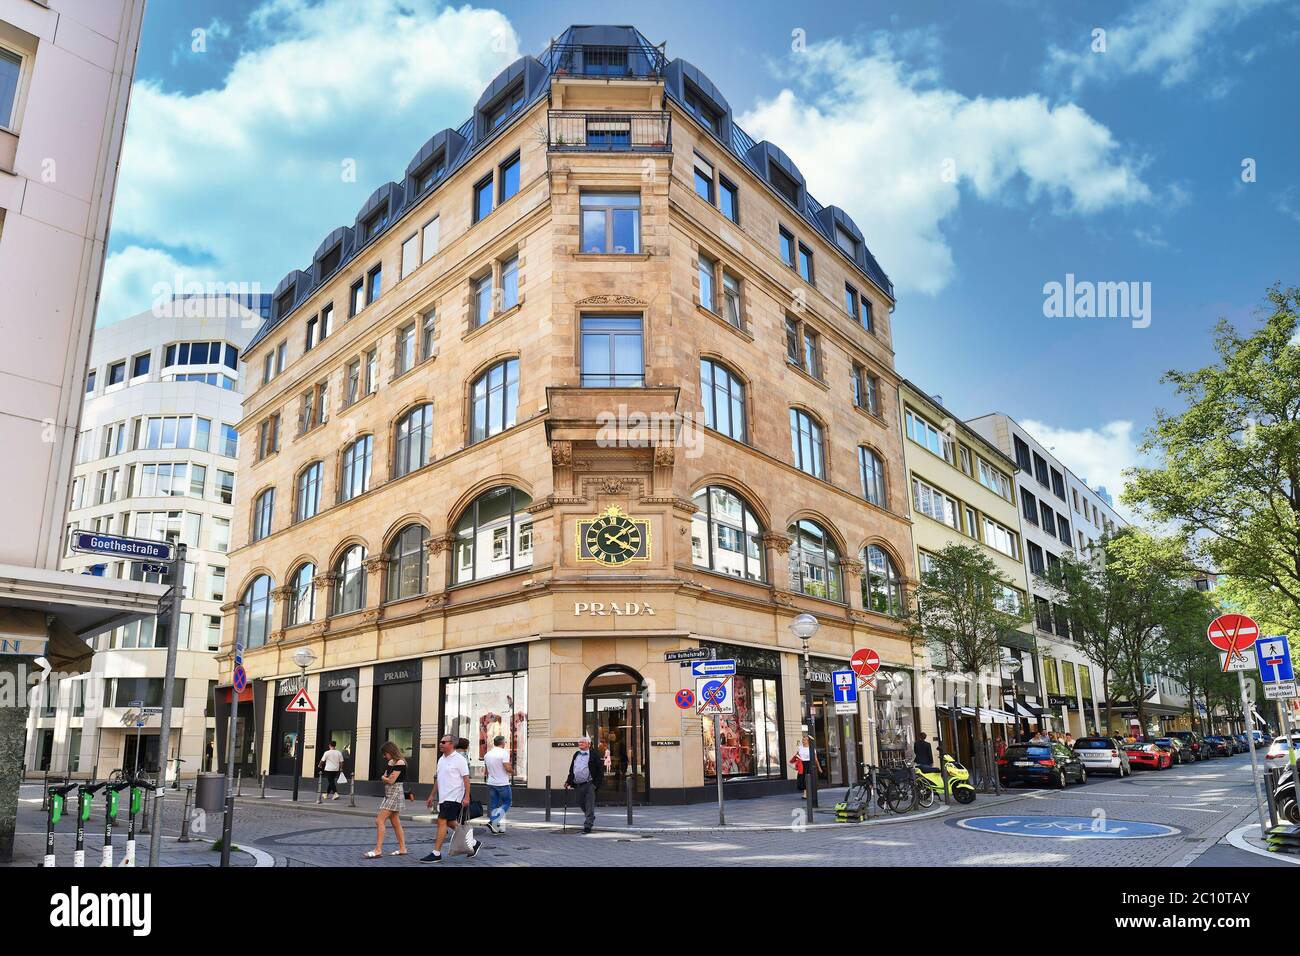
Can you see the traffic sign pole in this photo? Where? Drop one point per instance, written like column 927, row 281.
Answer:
column 1254, row 761
column 169, row 684
column 228, row 818
column 717, row 768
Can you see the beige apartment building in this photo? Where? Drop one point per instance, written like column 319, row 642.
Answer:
column 595, row 380
column 962, row 490
column 65, row 82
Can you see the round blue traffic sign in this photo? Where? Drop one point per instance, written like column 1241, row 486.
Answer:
column 240, row 679
column 1075, row 828
column 714, row 693
column 685, row 699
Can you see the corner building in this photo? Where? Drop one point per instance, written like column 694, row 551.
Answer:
column 597, row 379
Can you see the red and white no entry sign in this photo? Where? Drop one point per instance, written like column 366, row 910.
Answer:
column 1232, row 633
column 864, row 662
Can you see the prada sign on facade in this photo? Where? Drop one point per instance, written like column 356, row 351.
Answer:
column 489, row 660
column 399, row 672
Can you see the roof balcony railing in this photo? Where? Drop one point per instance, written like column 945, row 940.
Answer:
column 609, row 132
column 591, row 61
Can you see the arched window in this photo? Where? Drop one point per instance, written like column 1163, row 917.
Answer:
column 723, row 395
column 302, row 594
column 406, row 559
column 872, row 471
column 494, row 397
column 350, row 589
column 355, row 477
column 414, row 440
column 814, row 561
column 494, row 535
column 307, row 497
column 806, row 443
column 725, row 534
column 882, row 587
column 253, row 619
column 263, row 509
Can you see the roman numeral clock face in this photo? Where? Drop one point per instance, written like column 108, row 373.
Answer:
column 613, row 539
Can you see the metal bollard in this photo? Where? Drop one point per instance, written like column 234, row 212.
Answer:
column 548, row 798
column 144, row 824
column 628, row 780
column 239, row 782
column 352, row 791
column 1270, row 786
column 185, row 815
column 263, row 784
column 319, row 776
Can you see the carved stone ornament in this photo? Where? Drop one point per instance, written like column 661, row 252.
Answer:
column 562, row 453
column 778, row 542
column 435, row 601
column 664, row 455
column 611, row 300
column 783, row 599
column 376, row 564
column 437, row 544
column 851, row 565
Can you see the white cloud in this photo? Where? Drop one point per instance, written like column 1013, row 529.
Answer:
column 248, row 176
column 1170, row 38
column 132, row 278
column 895, row 148
column 1097, row 456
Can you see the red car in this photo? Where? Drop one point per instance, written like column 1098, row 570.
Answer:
column 1148, row 755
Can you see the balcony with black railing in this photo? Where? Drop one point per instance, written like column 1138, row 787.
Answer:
column 609, row 132
column 633, row 61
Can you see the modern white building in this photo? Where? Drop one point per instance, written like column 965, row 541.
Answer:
column 155, row 459
column 65, row 81
column 1069, row 682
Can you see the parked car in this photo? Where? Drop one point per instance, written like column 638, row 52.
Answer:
column 1103, row 755
column 1044, row 765
column 1217, row 746
column 1170, row 744
column 1277, row 755
column 1192, row 743
column 1241, row 744
column 1259, row 739
column 1148, row 755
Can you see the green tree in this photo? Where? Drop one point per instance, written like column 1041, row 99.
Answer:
column 963, row 606
column 1228, row 475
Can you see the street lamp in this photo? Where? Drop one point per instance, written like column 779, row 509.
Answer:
column 304, row 658
column 804, row 626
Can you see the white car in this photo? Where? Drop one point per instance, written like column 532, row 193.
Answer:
column 1103, row 755
column 1277, row 751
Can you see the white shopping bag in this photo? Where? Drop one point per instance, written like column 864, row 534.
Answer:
column 343, row 778
column 462, row 840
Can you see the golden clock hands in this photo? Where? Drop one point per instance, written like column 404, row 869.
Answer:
column 619, row 539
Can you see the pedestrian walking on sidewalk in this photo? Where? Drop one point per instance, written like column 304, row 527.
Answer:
column 391, row 808
column 802, row 755
column 499, row 774
column 331, row 765
column 451, row 793
column 586, row 771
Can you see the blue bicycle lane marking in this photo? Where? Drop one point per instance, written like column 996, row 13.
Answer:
column 1074, row 828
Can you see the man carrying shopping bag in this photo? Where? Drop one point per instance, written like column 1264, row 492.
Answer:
column 452, row 793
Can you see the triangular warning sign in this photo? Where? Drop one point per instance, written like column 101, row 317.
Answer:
column 301, row 703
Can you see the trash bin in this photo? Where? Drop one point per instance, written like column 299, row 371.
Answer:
column 210, row 794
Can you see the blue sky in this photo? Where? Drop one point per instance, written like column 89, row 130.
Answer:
column 985, row 149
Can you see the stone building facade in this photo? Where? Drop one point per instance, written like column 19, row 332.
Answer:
column 600, row 380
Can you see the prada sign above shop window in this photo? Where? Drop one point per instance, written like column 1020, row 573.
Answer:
column 399, row 672
column 489, row 660
column 340, row 680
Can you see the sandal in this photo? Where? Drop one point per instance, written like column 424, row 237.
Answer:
column 372, row 855
column 397, row 853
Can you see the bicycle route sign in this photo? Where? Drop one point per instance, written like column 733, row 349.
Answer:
column 714, row 695
column 1069, row 828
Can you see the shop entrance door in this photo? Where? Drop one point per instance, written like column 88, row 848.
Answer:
column 616, row 721
column 837, row 744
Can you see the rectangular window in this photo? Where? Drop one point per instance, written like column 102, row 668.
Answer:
column 1022, row 453
column 787, row 247
column 225, row 488
column 1058, row 484
column 612, row 355
column 729, row 199
column 428, row 332
column 429, row 239
column 1048, row 516
column 352, row 382
column 10, row 70
column 1040, row 469
column 1000, row 538
column 90, row 381
column 935, row 504
column 707, row 271
column 846, row 242
column 117, row 373
column 410, row 255
column 372, row 371
column 229, row 441
column 326, row 320
column 926, row 435
column 812, row 353
column 140, row 365
column 731, row 300
column 611, row 222
column 482, row 300
column 482, row 198
column 330, row 262
column 805, row 263
column 1063, row 528
column 509, row 178
column 851, row 300
column 994, row 480
column 311, row 334
column 865, row 316
column 784, row 185
column 357, row 298
column 405, row 359
column 792, row 352
column 1036, row 563
column 866, row 390
column 1029, row 506
column 509, row 283
column 375, row 282
column 704, row 179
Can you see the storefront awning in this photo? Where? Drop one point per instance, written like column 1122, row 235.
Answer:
column 986, row 714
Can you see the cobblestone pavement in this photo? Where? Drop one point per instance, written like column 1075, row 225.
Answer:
column 1204, row 802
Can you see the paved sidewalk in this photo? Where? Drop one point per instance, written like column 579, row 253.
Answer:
column 778, row 812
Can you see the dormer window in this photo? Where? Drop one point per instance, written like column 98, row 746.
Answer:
column 431, row 173
column 845, row 241
column 704, row 112
column 783, row 184
column 284, row 303
column 605, row 61
column 511, row 101
column 377, row 221
column 331, row 260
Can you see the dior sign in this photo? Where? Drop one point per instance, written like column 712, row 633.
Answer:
column 612, row 608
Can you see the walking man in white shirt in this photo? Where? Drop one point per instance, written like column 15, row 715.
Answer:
column 452, row 792
column 331, row 764
column 499, row 774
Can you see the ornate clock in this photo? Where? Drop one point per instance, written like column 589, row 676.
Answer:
column 613, row 538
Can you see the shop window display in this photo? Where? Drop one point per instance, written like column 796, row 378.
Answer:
column 751, row 745
column 481, row 708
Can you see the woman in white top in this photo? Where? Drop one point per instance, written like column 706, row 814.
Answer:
column 803, row 753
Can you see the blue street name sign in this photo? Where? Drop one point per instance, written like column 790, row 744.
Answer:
column 1274, row 657
column 713, row 668
column 1072, row 828
column 845, row 686
column 89, row 542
